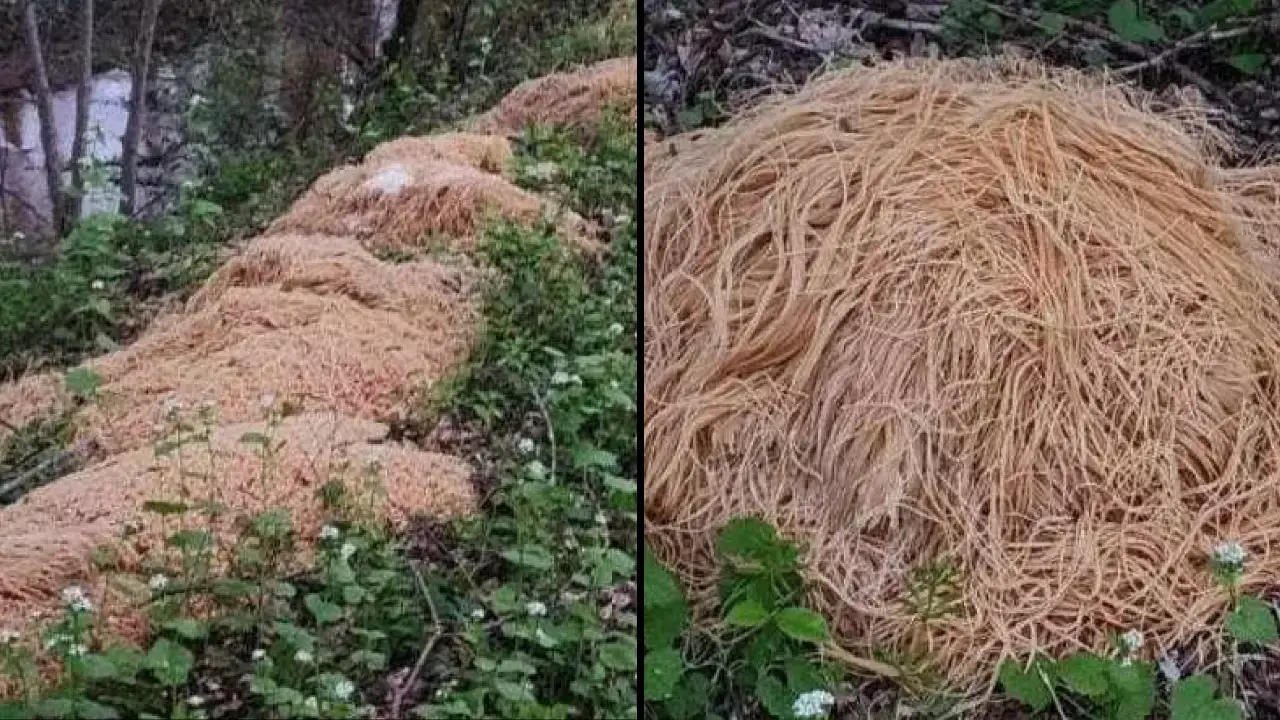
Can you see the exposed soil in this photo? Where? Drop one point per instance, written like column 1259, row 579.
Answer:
column 704, row 59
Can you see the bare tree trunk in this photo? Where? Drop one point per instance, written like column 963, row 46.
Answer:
column 44, row 107
column 137, row 108
column 76, row 204
column 400, row 44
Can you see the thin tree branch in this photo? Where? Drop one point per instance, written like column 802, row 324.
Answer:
column 404, row 689
column 76, row 204
column 137, row 108
column 1187, row 74
column 44, row 108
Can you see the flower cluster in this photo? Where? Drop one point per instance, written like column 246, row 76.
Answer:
column 813, row 704
column 1228, row 561
column 75, row 598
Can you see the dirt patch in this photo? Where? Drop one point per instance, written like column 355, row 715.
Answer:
column 705, row 61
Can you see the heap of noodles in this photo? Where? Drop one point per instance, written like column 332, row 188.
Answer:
column 972, row 313
column 307, row 323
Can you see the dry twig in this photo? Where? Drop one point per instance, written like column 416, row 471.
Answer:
column 403, row 690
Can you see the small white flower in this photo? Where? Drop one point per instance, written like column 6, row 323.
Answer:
column 303, row 657
column 347, row 551
column 1229, row 553
column 158, row 582
column 561, row 378
column 19, row 235
column 9, row 636
column 601, row 519
column 172, row 406
column 526, row 445
column 258, row 654
column 77, row 650
column 813, row 704
column 195, row 701
column 329, row 532
column 97, row 285
column 615, row 329
column 1170, row 668
column 343, row 689
column 267, row 401
column 477, row 614
column 75, row 598
column 535, row 608
column 1132, row 641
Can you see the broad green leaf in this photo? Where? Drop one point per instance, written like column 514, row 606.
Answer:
column 1186, row 18
column 169, row 662
column 663, row 624
column 803, row 624
column 660, row 587
column 593, row 458
column 1025, row 686
column 195, row 540
column 748, row 613
column 83, row 382
column 230, row 588
column 20, row 711
column 1052, row 23
column 164, row 508
column 765, row 648
column 188, row 628
column 689, row 700
column 991, row 23
column 255, row 438
column 513, row 691
column 1249, row 63
column 1084, row 673
column 1124, row 19
column 775, row 697
column 1193, row 699
column 620, row 656
column 90, row 710
column 1134, row 686
column 535, row 557
column 803, row 675
column 97, row 667
column 751, row 546
column 1219, row 10
column 55, row 708
column 1252, row 621
column 324, row 612
column 662, row 670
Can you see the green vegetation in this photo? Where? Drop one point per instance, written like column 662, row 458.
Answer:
column 527, row 611
column 105, row 279
column 972, row 26
column 764, row 653
column 1121, row 687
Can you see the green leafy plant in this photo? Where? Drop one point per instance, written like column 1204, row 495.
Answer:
column 1123, row 687
column 769, row 639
